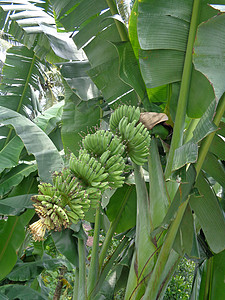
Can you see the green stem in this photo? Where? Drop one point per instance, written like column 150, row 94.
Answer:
column 111, row 231
column 208, row 140
column 76, row 284
column 94, row 266
column 120, row 26
column 82, row 270
column 184, row 90
column 154, row 283
column 109, row 264
column 209, row 270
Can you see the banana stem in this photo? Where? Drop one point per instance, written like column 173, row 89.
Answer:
column 111, row 231
column 154, row 283
column 94, row 266
column 184, row 90
column 76, row 284
column 82, row 270
column 120, row 26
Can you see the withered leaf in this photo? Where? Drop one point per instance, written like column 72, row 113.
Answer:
column 150, row 119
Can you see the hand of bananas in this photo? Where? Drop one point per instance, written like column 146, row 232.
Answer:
column 99, row 165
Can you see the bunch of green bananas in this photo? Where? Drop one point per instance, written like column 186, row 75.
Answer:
column 125, row 122
column 131, row 112
column 100, row 165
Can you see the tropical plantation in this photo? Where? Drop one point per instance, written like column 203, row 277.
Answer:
column 112, row 149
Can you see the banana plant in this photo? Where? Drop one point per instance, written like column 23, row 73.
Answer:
column 168, row 60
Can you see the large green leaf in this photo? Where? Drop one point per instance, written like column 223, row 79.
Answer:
column 209, row 52
column 124, row 197
column 36, row 142
column 97, row 32
column 67, row 244
column 209, row 214
column 20, row 71
column 163, row 29
column 35, row 28
column 12, row 235
column 75, row 74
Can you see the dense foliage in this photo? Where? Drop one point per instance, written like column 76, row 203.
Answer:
column 70, row 86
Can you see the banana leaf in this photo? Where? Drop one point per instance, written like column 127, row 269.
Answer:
column 95, row 30
column 36, row 142
column 12, row 235
column 35, row 28
column 162, row 30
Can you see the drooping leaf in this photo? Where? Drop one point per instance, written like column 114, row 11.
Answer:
column 15, row 176
column 129, row 70
column 184, row 239
column 20, row 70
column 187, row 153
column 181, row 195
column 67, row 244
column 35, row 28
column 36, row 142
